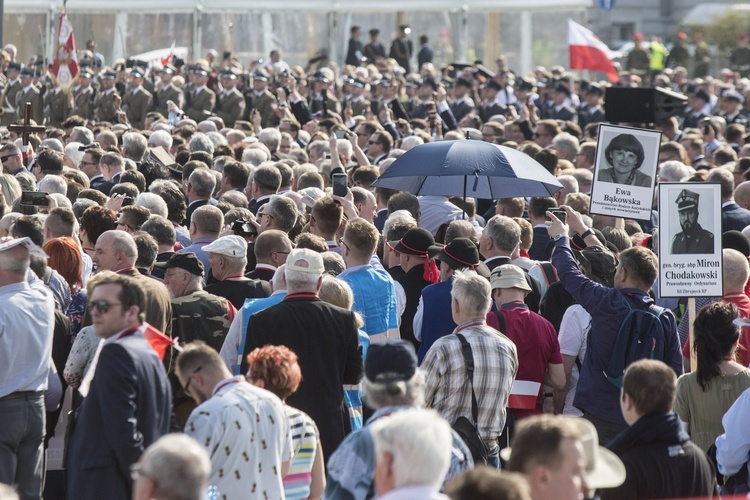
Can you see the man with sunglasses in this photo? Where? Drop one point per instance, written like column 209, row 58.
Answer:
column 128, row 399
column 12, row 160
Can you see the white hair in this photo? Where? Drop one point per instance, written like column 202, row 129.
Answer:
column 398, row 216
column 271, row 137
column 569, row 182
column 72, row 152
column 134, row 146
column 53, row 184
column 567, row 143
column 278, row 278
column 153, row 202
column 254, row 156
column 472, row 292
column 344, row 147
column 674, row 171
column 160, row 138
column 300, row 280
column 420, row 443
column 181, row 464
column 410, row 142
column 217, row 138
column 62, row 200
column 201, row 142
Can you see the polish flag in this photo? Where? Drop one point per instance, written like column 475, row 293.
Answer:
column 159, row 342
column 65, row 66
column 523, row 395
column 588, row 52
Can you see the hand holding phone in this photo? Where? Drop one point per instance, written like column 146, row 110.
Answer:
column 34, row 199
column 339, row 182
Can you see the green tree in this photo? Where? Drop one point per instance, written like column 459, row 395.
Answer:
column 724, row 29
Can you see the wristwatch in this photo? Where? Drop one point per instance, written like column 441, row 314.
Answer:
column 587, row 233
column 558, row 236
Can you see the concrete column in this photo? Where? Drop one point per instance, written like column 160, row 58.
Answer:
column 526, row 41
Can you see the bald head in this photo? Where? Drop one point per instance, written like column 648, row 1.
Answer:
column 742, row 195
column 736, row 271
column 115, row 251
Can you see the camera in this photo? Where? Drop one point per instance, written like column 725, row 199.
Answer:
column 243, row 227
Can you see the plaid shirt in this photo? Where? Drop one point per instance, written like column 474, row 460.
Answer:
column 495, row 366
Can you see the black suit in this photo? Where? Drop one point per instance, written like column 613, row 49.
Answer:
column 128, row 407
column 565, row 113
column 462, row 108
column 413, row 283
column 490, row 110
column 734, row 217
column 192, row 208
column 262, row 274
column 541, row 245
column 325, row 338
column 534, row 296
column 424, row 56
column 355, row 52
column 692, row 119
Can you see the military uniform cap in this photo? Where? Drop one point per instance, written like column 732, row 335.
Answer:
column 687, row 200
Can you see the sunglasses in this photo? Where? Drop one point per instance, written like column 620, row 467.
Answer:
column 190, row 380
column 101, row 305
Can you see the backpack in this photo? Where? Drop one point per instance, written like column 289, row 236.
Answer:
column 641, row 336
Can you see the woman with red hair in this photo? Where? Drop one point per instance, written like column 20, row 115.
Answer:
column 65, row 258
column 275, row 369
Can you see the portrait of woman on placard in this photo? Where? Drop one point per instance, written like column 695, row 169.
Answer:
column 624, row 156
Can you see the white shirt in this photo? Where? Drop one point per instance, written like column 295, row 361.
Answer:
column 413, row 493
column 247, row 436
column 26, row 328
column 435, row 211
column 574, row 329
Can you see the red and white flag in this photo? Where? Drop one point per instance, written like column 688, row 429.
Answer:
column 523, row 395
column 65, row 66
column 588, row 52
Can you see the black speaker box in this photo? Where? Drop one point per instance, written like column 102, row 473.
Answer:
column 642, row 105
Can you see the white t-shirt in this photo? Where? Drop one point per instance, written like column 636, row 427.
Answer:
column 574, row 328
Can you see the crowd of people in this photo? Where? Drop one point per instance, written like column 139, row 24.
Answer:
column 178, row 267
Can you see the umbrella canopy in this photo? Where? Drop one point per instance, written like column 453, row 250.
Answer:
column 467, row 168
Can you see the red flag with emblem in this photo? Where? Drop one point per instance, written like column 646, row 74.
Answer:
column 65, row 66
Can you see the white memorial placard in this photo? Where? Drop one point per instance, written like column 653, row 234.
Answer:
column 625, row 172
column 690, row 260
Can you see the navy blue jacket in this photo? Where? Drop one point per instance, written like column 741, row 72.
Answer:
column 128, row 407
column 608, row 308
column 734, row 217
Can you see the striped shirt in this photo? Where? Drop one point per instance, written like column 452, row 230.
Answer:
column 495, row 367
column 305, row 441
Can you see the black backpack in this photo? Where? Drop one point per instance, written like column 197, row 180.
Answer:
column 641, row 336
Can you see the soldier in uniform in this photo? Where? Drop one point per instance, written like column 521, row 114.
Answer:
column 490, row 107
column 57, row 106
column 137, row 101
column 731, row 105
column 29, row 93
column 358, row 103
column 638, row 59
column 591, row 111
column 230, row 103
column 702, row 56
column 374, row 49
column 321, row 81
column 413, row 81
column 462, row 104
column 559, row 110
column 402, row 48
column 693, row 239
column 679, row 55
column 104, row 107
column 167, row 92
column 85, row 97
column 202, row 98
column 740, row 57
column 11, row 90
column 196, row 315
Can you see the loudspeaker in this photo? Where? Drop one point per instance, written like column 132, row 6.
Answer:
column 642, row 105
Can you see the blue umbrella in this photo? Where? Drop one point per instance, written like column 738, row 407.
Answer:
column 467, row 168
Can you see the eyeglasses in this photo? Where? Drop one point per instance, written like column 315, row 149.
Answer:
column 190, row 380
column 342, row 244
column 282, row 253
column 126, row 225
column 267, row 215
column 537, row 134
column 88, row 162
column 372, row 142
column 3, row 158
column 101, row 305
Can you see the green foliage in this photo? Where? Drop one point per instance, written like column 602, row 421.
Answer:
column 724, row 29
